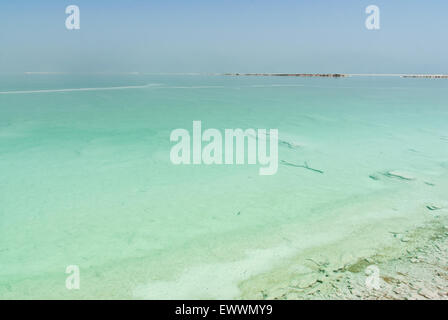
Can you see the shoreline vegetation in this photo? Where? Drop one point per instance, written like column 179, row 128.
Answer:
column 338, row 75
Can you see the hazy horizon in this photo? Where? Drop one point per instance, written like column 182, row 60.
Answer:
column 226, row 36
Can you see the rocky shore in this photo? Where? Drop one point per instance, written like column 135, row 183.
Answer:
column 421, row 273
column 414, row 267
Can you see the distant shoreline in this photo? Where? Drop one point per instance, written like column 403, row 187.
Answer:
column 235, row 74
column 339, row 75
column 326, row 75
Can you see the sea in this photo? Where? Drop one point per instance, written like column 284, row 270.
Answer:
column 86, row 180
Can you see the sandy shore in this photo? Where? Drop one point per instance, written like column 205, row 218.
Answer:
column 414, row 267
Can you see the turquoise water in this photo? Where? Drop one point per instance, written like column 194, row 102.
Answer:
column 86, row 178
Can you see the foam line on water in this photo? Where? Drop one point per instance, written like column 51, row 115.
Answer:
column 135, row 87
column 78, row 89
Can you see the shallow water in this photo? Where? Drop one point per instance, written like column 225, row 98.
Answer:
column 86, row 178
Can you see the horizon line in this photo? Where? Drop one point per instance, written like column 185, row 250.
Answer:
column 242, row 73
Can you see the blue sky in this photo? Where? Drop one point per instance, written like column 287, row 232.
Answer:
column 224, row 36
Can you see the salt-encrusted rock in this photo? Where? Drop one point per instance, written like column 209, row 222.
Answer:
column 399, row 175
column 306, row 281
column 434, row 207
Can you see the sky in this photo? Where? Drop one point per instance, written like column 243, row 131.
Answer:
column 224, row 36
